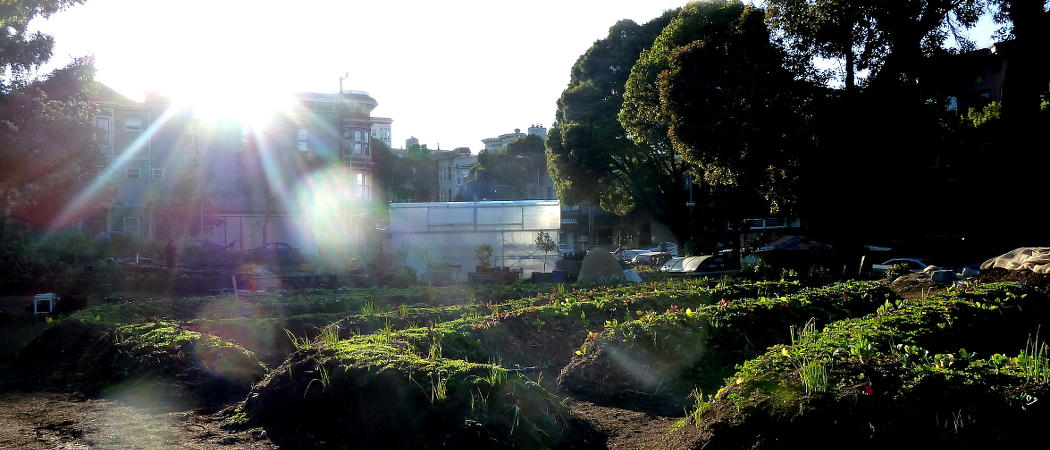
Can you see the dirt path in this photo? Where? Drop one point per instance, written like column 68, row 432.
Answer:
column 630, row 430
column 40, row 420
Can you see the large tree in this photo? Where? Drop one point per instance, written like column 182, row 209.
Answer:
column 712, row 96
column 724, row 101
column 415, row 176
column 47, row 150
column 509, row 173
column 589, row 154
column 888, row 38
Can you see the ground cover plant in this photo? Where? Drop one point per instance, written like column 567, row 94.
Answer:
column 927, row 373
column 740, row 363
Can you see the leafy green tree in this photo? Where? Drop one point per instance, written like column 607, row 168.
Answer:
column 47, row 150
column 507, row 174
column 21, row 51
column 47, row 153
column 589, row 154
column 415, row 175
column 712, row 95
column 384, row 171
column 889, row 38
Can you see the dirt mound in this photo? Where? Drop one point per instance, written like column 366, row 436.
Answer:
column 343, row 396
column 1040, row 281
column 192, row 371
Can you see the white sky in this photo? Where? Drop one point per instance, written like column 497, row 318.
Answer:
column 447, row 72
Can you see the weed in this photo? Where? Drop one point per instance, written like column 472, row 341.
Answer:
column 434, row 352
column 807, row 335
column 813, row 373
column 438, row 388
column 368, row 309
column 1034, row 360
column 583, row 322
column 298, row 342
column 329, row 335
column 700, row 403
column 325, row 380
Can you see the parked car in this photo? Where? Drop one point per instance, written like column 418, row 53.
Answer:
column 701, row 265
column 914, row 264
column 669, row 247
column 278, row 253
column 655, row 259
column 565, row 250
column 627, row 255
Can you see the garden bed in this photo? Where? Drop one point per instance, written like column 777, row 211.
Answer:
column 721, row 363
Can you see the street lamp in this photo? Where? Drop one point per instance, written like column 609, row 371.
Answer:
column 513, row 187
column 537, row 187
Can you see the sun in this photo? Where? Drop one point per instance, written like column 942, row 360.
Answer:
column 246, row 102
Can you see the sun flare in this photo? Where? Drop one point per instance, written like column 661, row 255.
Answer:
column 246, row 104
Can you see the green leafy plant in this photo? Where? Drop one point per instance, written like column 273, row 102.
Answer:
column 898, row 270
column 484, row 255
column 545, row 244
column 700, row 404
column 1034, row 360
column 329, row 335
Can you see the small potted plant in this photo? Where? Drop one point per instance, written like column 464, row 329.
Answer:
column 545, row 244
column 484, row 254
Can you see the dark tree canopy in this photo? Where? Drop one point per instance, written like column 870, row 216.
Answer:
column 20, row 50
column 47, row 148
column 412, row 177
column 508, row 174
column 711, row 98
column 589, row 154
column 889, row 38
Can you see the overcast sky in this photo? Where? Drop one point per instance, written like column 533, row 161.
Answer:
column 447, row 72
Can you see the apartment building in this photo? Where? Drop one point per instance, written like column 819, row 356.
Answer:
column 176, row 172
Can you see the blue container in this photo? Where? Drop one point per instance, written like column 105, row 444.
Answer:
column 559, row 276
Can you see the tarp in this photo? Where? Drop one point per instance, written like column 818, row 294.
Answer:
column 1036, row 259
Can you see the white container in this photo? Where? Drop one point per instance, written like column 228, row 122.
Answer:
column 43, row 303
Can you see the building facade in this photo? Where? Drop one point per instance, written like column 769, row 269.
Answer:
column 177, row 174
column 453, row 169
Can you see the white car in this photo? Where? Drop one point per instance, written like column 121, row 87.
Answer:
column 701, row 265
column 916, row 265
column 629, row 254
column 655, row 259
column 669, row 247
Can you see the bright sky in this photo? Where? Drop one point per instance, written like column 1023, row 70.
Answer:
column 447, row 72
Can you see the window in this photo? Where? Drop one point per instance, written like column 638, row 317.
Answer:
column 132, row 124
column 158, row 174
column 190, row 134
column 302, row 135
column 131, row 226
column 132, row 173
column 102, row 130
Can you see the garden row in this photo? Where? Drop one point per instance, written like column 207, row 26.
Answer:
column 431, row 367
